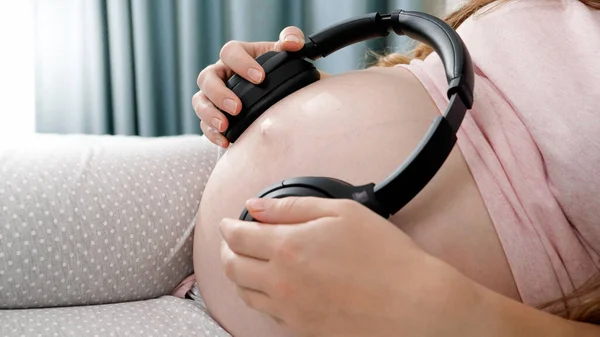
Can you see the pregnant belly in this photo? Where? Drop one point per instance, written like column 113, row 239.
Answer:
column 357, row 127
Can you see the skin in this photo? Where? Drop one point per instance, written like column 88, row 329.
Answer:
column 437, row 260
column 282, row 267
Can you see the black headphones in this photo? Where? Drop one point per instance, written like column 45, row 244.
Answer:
column 287, row 72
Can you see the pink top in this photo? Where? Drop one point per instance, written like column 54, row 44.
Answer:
column 532, row 139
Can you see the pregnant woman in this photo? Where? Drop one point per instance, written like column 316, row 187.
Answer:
column 508, row 225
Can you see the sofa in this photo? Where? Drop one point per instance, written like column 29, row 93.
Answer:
column 97, row 231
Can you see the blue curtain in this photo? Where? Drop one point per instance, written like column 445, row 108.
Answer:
column 129, row 67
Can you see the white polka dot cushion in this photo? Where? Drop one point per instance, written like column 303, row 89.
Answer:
column 95, row 220
column 166, row 316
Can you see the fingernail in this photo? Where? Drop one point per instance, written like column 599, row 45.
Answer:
column 216, row 123
column 230, row 105
column 291, row 38
column 255, row 75
column 219, row 142
column 255, row 204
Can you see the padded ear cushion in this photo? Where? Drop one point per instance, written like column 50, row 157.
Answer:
column 321, row 187
column 284, row 75
column 287, row 191
column 291, row 191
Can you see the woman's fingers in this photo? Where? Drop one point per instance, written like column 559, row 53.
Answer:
column 206, row 111
column 245, row 271
column 213, row 135
column 259, row 302
column 212, row 121
column 236, row 57
column 211, row 82
column 240, row 58
column 290, row 39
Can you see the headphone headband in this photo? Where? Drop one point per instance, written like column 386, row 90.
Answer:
column 416, row 25
column 402, row 185
column 426, row 159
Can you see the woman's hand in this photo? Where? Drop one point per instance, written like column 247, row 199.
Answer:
column 235, row 57
column 333, row 268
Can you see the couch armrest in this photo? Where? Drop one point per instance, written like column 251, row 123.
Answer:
column 98, row 219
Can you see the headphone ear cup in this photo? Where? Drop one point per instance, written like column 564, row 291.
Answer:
column 262, row 60
column 287, row 191
column 321, row 187
column 280, row 81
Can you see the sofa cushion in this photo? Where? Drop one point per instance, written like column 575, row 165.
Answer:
column 98, row 219
column 165, row 316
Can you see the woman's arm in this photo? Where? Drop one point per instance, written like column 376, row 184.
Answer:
column 498, row 316
column 381, row 284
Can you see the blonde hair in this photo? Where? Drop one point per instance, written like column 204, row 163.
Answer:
column 583, row 304
column 454, row 19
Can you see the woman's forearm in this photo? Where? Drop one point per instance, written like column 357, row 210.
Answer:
column 502, row 317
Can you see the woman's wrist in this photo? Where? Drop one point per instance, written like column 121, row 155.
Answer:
column 498, row 316
column 461, row 307
column 437, row 300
